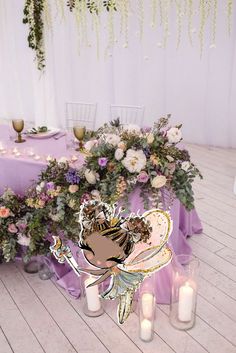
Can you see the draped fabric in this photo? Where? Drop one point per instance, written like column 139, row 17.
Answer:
column 198, row 91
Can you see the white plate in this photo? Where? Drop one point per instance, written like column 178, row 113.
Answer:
column 44, row 135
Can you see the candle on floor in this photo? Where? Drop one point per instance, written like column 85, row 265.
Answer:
column 1, row 147
column 146, row 330
column 3, row 151
column 17, row 154
column 15, row 150
column 147, row 305
column 186, row 295
column 92, row 295
column 37, row 157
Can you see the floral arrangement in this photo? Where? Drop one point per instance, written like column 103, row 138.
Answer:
column 125, row 157
column 88, row 13
column 118, row 160
column 19, row 227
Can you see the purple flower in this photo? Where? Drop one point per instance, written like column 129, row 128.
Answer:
column 143, row 177
column 50, row 185
column 72, row 176
column 21, row 225
column 102, row 161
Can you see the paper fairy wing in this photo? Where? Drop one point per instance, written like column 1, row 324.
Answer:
column 150, row 265
column 161, row 229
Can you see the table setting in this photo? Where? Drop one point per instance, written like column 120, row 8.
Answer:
column 48, row 174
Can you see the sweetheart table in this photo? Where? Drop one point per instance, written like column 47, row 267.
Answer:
column 18, row 172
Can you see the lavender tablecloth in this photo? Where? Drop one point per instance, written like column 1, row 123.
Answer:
column 18, row 173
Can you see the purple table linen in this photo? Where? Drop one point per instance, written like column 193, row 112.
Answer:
column 18, row 174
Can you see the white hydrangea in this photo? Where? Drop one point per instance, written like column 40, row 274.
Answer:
column 174, row 135
column 134, row 161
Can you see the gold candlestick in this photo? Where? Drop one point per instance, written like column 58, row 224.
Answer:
column 18, row 126
column 79, row 132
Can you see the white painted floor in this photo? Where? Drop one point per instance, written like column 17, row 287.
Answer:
column 36, row 316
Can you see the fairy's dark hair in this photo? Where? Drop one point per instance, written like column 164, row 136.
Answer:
column 135, row 229
column 121, row 237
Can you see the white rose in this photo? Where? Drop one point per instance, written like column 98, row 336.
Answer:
column 90, row 144
column 112, row 139
column 158, row 181
column 90, row 176
column 63, row 160
column 23, row 240
column 134, row 161
column 119, row 154
column 132, row 128
column 174, row 135
column 150, row 138
column 185, row 166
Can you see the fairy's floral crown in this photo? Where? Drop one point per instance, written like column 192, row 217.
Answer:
column 97, row 216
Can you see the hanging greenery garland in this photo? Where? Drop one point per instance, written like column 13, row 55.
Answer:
column 88, row 12
column 33, row 16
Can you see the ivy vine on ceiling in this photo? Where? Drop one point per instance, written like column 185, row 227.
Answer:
column 36, row 14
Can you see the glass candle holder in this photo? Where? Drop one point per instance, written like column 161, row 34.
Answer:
column 92, row 304
column 146, row 316
column 184, row 292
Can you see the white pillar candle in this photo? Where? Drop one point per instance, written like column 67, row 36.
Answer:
column 92, row 295
column 186, row 295
column 37, row 157
column 15, row 150
column 147, row 300
column 146, row 330
column 17, row 154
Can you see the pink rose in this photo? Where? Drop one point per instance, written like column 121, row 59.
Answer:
column 73, row 188
column 143, row 177
column 4, row 212
column 12, row 228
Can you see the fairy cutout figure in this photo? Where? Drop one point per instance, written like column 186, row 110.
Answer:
column 126, row 250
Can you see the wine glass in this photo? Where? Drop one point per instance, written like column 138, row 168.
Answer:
column 79, row 132
column 18, row 126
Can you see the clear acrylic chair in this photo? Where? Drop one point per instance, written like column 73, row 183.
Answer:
column 128, row 114
column 81, row 114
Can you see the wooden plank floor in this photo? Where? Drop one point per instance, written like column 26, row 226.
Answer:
column 36, row 316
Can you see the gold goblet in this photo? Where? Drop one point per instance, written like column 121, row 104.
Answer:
column 18, row 126
column 79, row 132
